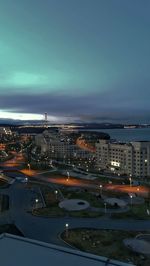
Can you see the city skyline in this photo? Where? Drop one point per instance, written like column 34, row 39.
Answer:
column 76, row 60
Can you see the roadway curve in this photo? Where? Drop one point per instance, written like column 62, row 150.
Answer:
column 61, row 180
column 93, row 184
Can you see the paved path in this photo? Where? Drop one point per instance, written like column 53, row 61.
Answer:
column 110, row 211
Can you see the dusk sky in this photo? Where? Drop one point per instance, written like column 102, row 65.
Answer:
column 75, row 59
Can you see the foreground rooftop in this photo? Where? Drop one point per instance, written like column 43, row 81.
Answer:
column 23, row 251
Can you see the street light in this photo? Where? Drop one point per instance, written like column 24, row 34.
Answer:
column 130, row 179
column 105, row 204
column 56, row 193
column 101, row 189
column 68, row 176
column 29, row 166
column 35, row 205
column 66, row 227
column 131, row 200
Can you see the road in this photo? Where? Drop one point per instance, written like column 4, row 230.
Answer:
column 61, row 180
column 93, row 184
column 16, row 161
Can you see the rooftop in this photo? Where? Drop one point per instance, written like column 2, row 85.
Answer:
column 23, row 251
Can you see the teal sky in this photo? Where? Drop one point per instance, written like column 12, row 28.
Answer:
column 75, row 58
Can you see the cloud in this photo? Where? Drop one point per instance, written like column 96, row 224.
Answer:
column 96, row 107
column 20, row 79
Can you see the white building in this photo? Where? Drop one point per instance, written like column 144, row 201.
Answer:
column 124, row 158
column 60, row 149
column 5, row 130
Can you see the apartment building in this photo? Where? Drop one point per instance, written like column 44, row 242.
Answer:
column 60, row 149
column 132, row 158
column 63, row 150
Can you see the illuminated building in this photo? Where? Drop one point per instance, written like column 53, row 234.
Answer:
column 124, row 158
column 5, row 130
column 51, row 143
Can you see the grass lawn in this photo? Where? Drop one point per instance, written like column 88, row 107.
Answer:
column 50, row 197
column 136, row 212
column 114, row 180
column 114, row 194
column 108, row 243
column 58, row 212
column 92, row 199
column 49, row 212
column 85, row 214
column 52, row 209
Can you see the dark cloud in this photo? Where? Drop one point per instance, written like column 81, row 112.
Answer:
column 115, row 105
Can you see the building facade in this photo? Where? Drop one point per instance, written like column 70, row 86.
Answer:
column 131, row 159
column 60, row 149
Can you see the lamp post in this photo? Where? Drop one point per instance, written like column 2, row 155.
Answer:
column 29, row 166
column 56, row 193
column 130, row 179
column 68, row 176
column 36, row 200
column 35, row 204
column 66, row 227
column 100, row 186
column 26, row 180
column 131, row 200
column 105, row 204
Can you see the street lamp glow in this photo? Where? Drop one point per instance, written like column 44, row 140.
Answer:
column 66, row 226
column 130, row 179
column 56, row 193
column 36, row 200
column 131, row 199
column 100, row 186
column 68, row 175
